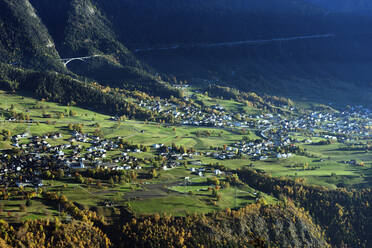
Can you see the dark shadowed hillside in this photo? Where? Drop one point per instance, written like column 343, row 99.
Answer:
column 346, row 6
column 296, row 68
column 196, row 41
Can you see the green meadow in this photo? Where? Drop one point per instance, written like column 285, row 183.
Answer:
column 169, row 192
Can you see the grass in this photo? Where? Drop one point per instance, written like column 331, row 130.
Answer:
column 329, row 171
column 230, row 197
column 229, row 105
column 12, row 213
column 347, row 174
column 152, row 133
column 176, row 205
column 180, row 135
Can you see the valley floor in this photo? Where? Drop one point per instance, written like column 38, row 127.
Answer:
column 178, row 169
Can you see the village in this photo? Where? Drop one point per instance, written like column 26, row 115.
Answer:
column 279, row 133
column 194, row 156
column 353, row 121
column 278, row 137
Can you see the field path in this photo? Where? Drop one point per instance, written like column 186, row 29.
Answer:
column 153, row 190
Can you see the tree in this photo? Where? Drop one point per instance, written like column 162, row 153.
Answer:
column 154, row 173
column 99, row 133
column 22, row 208
column 182, row 149
column 79, row 178
column 48, row 174
column 61, row 173
column 72, row 113
column 214, row 192
column 218, row 197
column 111, row 182
column 99, row 184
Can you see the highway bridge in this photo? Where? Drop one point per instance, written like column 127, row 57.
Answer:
column 68, row 60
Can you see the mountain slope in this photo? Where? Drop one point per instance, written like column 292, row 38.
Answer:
column 83, row 31
column 255, row 225
column 331, row 68
column 346, row 6
column 24, row 39
column 37, row 34
column 321, row 69
column 162, row 22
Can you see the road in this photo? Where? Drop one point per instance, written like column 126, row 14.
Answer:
column 235, row 43
column 68, row 60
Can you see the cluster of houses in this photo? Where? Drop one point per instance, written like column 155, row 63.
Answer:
column 172, row 157
column 191, row 115
column 195, row 117
column 256, row 150
column 337, row 126
column 351, row 122
column 35, row 155
column 201, row 171
column 276, row 131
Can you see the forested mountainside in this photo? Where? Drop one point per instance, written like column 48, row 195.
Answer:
column 24, row 40
column 137, row 41
column 335, row 60
column 346, row 6
column 252, row 226
column 72, row 31
column 338, row 212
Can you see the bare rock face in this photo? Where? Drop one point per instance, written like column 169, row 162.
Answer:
column 282, row 226
column 253, row 226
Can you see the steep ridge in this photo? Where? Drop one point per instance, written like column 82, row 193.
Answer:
column 37, row 34
column 255, row 225
column 84, row 30
column 24, row 40
column 321, row 69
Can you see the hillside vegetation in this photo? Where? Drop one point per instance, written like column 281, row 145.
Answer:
column 188, row 123
column 24, row 39
column 320, row 69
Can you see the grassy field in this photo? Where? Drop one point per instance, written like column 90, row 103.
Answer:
column 180, row 135
column 327, row 168
column 167, row 192
column 229, row 105
column 12, row 213
column 152, row 133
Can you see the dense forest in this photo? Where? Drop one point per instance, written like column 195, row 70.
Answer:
column 343, row 214
column 308, row 215
column 292, row 227
column 115, row 29
column 69, row 91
